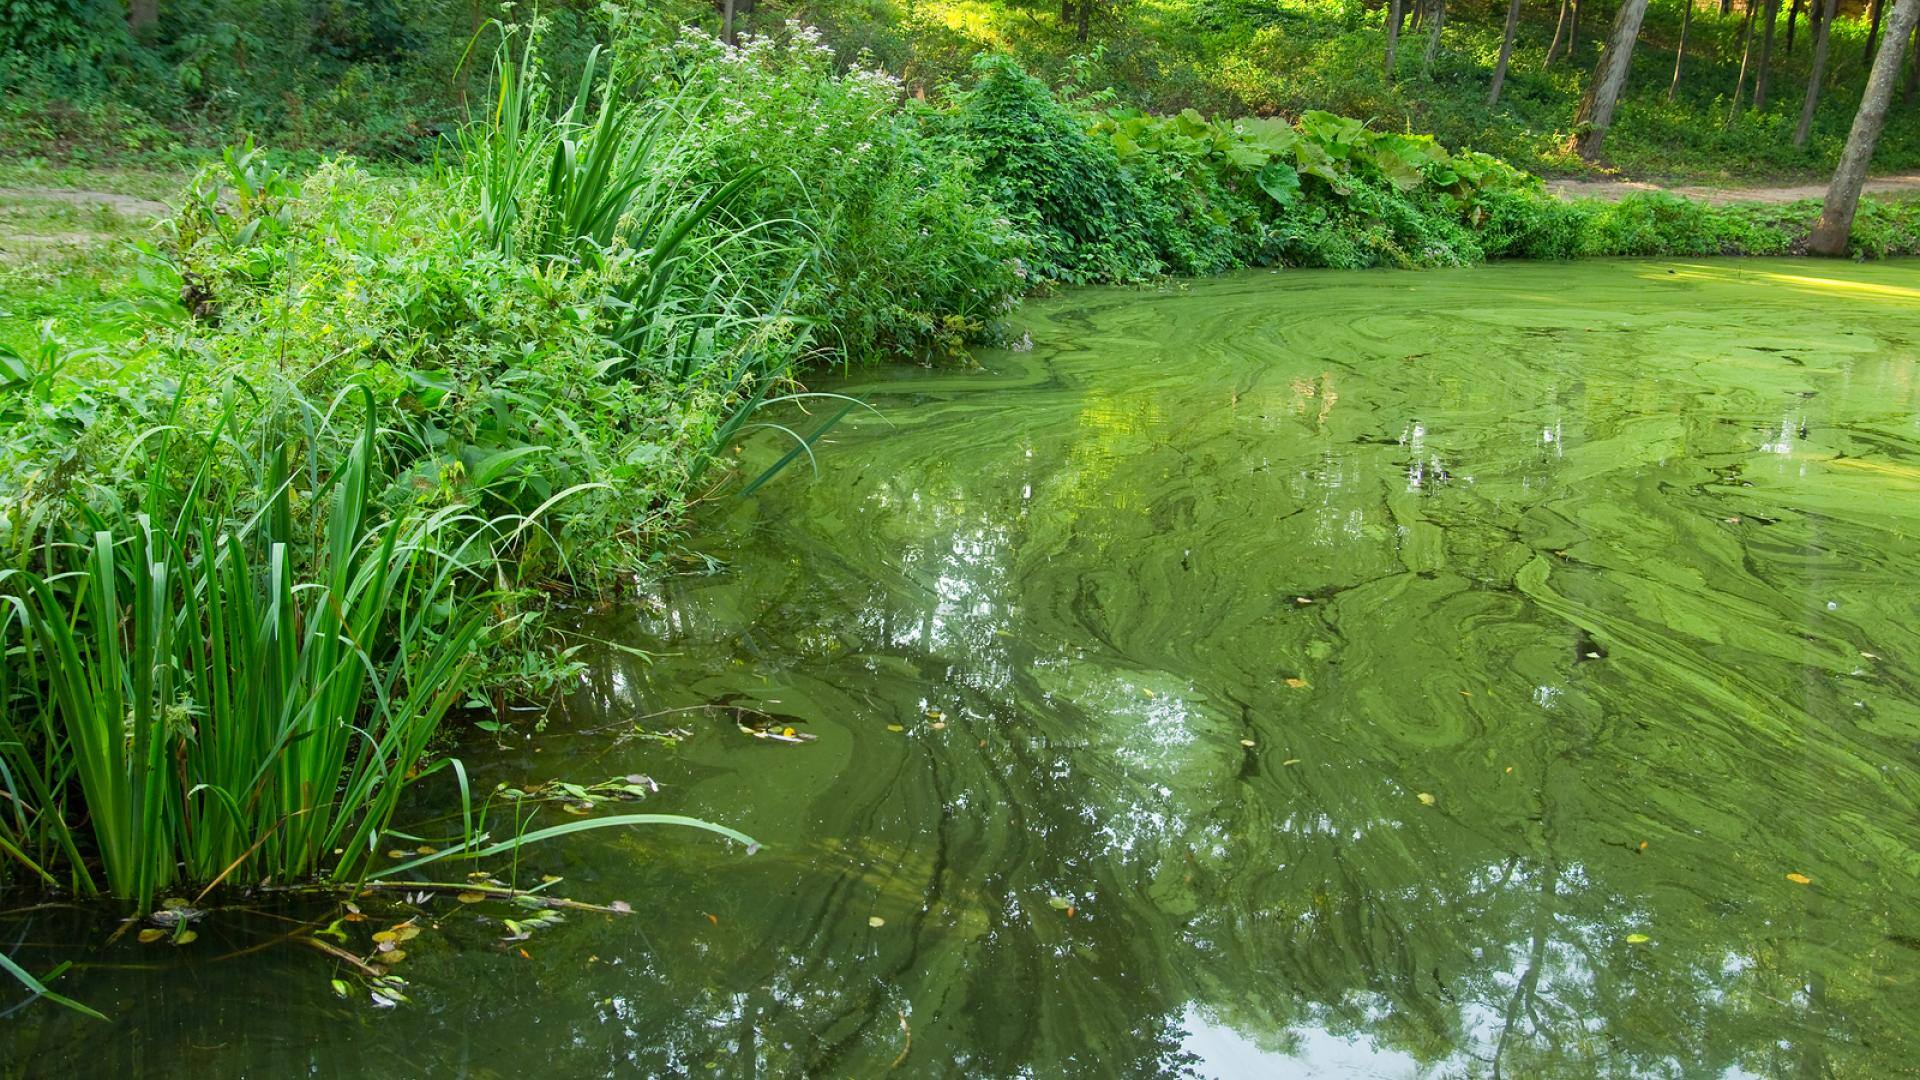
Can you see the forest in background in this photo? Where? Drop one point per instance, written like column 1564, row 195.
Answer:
column 1715, row 92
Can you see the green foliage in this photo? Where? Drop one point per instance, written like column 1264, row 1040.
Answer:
column 1062, row 187
column 891, row 249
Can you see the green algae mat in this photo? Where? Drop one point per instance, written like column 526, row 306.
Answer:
column 1500, row 672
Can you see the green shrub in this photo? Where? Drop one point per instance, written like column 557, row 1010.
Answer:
column 1063, row 188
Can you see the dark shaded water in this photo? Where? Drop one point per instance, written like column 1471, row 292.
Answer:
column 1305, row 674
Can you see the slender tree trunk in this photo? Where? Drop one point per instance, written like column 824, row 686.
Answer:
column 1764, row 76
column 1913, row 69
column 1439, row 13
column 1680, row 54
column 1726, row 6
column 1506, row 53
column 1793, row 14
column 142, row 14
column 1080, row 33
column 1559, row 25
column 1573, row 32
column 726, row 21
column 1066, row 12
column 1746, row 54
column 1394, row 13
column 1873, row 33
column 1821, row 38
column 1609, row 78
column 1843, row 195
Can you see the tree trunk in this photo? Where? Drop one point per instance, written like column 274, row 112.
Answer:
column 1080, row 33
column 1746, row 54
column 1913, row 69
column 1394, row 14
column 726, row 21
column 1573, row 32
column 1559, row 25
column 1821, row 37
column 142, row 14
column 1506, row 53
column 1680, row 54
column 1763, row 76
column 1793, row 14
column 1439, row 20
column 1609, row 78
column 1066, row 12
column 1873, row 33
column 1843, row 195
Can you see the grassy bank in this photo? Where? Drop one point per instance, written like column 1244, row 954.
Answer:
column 292, row 477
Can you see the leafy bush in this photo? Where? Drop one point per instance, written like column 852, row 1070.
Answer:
column 1063, row 188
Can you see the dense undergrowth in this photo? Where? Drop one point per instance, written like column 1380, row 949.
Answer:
column 306, row 491
column 386, row 81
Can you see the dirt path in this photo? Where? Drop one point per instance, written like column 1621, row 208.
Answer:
column 1899, row 184
column 126, row 205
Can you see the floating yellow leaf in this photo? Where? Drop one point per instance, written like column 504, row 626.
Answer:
column 1291, row 761
column 471, row 897
column 396, row 853
column 896, row 727
column 788, row 732
column 149, row 936
column 1800, row 879
column 1246, row 742
column 1302, row 600
column 405, row 933
column 423, row 849
column 938, row 725
column 1638, row 939
column 876, row 922
column 1426, row 799
column 1296, row 683
column 386, row 935
column 186, row 937
column 393, row 956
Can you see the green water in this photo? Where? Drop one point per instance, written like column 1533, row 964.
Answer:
column 1596, row 587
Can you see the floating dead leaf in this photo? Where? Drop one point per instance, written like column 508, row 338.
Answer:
column 1426, row 799
column 1059, row 903
column 385, row 937
column 1870, row 656
column 470, row 897
column 1291, row 761
column 1638, row 939
column 1303, row 600
column 353, row 916
column 938, row 725
column 393, row 956
column 581, row 807
column 1643, row 845
column 876, row 922
column 405, row 933
column 1297, row 683
column 896, row 727
column 186, row 937
column 396, row 853
column 1466, row 693
column 425, row 849
column 712, row 918
column 1246, row 742
column 150, row 935
column 621, row 906
column 549, row 878
column 1800, row 879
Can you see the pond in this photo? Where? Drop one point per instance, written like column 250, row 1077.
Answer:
column 1505, row 671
